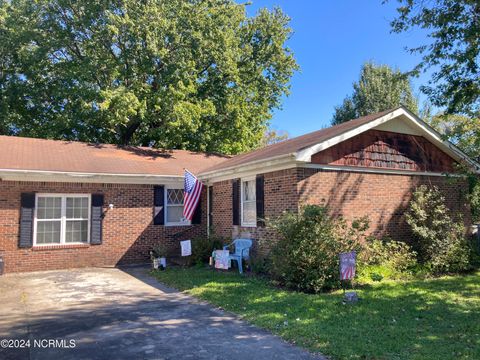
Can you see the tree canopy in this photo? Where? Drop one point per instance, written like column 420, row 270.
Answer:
column 460, row 130
column 453, row 52
column 273, row 136
column 379, row 88
column 190, row 74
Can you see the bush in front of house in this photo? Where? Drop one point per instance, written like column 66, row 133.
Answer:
column 202, row 248
column 388, row 259
column 159, row 250
column 306, row 255
column 259, row 264
column 439, row 238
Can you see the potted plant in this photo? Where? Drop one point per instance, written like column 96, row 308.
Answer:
column 159, row 257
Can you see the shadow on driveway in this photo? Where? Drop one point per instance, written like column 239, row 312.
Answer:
column 122, row 314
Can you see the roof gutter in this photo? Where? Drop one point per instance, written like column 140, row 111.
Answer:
column 78, row 177
column 253, row 167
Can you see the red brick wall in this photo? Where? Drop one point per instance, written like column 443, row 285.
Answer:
column 382, row 197
column 222, row 217
column 384, row 149
column 281, row 194
column 128, row 232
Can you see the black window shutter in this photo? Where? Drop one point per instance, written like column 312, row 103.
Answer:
column 236, row 201
column 27, row 209
column 197, row 215
column 260, row 197
column 97, row 219
column 159, row 205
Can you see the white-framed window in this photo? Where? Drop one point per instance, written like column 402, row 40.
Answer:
column 174, row 207
column 249, row 202
column 61, row 219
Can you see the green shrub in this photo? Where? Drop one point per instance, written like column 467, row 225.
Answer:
column 439, row 239
column 387, row 258
column 376, row 273
column 259, row 264
column 306, row 255
column 474, row 198
column 202, row 248
column 394, row 254
column 159, row 250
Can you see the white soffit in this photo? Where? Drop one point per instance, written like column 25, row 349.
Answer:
column 399, row 125
column 399, row 120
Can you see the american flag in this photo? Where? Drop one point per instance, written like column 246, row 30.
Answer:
column 192, row 191
column 347, row 265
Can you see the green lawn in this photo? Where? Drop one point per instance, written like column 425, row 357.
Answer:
column 421, row 319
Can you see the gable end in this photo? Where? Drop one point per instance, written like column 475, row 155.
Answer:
column 387, row 150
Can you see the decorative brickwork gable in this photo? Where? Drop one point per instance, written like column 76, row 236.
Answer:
column 128, row 230
column 387, row 150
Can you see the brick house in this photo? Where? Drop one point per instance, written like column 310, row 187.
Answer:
column 70, row 204
column 368, row 166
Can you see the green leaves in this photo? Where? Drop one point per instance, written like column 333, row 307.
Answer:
column 379, row 88
column 196, row 75
column 306, row 255
column 439, row 238
column 453, row 52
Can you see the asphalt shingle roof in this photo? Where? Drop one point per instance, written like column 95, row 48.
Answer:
column 19, row 153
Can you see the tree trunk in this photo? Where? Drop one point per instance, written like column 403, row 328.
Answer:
column 127, row 133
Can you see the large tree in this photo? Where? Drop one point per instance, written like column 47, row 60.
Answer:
column 460, row 130
column 272, row 136
column 464, row 132
column 192, row 74
column 379, row 88
column 453, row 51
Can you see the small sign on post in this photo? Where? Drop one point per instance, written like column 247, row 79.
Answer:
column 347, row 272
column 347, row 265
column 186, row 246
column 222, row 259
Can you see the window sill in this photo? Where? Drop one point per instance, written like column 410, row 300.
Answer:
column 59, row 247
column 178, row 224
column 248, row 225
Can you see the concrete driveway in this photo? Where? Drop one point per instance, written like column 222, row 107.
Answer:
column 105, row 313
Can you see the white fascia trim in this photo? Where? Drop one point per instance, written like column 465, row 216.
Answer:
column 61, row 176
column 250, row 169
column 377, row 170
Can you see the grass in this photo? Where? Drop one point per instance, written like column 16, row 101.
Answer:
column 418, row 319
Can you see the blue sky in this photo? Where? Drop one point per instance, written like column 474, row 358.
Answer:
column 331, row 41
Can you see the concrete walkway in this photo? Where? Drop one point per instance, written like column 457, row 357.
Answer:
column 105, row 313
